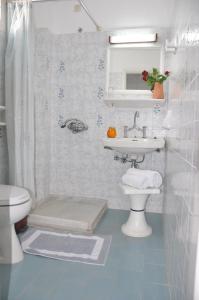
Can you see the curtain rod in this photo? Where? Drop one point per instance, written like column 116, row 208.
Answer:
column 82, row 4
column 98, row 28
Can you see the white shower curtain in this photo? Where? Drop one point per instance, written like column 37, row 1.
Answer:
column 19, row 96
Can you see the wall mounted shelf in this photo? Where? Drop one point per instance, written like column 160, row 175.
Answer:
column 2, row 107
column 141, row 102
column 132, row 98
column 2, row 124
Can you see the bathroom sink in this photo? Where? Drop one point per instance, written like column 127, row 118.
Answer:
column 134, row 145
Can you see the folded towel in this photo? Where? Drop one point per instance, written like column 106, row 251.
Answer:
column 142, row 179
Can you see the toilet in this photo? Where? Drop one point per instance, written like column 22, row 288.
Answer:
column 15, row 204
column 136, row 225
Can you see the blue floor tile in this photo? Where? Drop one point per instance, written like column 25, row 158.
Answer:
column 154, row 274
column 155, row 292
column 135, row 269
column 154, row 256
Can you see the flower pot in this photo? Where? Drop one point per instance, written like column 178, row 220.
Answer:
column 158, row 92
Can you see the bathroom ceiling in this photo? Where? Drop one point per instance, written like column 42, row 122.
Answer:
column 60, row 17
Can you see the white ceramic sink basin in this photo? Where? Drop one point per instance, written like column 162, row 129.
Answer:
column 134, row 145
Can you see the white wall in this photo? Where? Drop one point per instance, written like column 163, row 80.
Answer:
column 182, row 166
column 73, row 93
column 70, row 83
column 59, row 16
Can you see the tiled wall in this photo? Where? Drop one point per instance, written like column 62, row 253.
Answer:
column 70, row 77
column 3, row 141
column 181, row 205
column 42, row 87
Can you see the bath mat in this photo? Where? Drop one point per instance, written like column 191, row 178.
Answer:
column 88, row 249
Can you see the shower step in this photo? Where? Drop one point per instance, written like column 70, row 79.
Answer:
column 74, row 214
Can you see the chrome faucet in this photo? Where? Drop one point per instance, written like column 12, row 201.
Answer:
column 135, row 127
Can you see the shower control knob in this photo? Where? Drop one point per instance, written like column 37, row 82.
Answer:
column 123, row 160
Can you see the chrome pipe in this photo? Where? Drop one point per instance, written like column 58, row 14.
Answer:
column 98, row 28
column 82, row 4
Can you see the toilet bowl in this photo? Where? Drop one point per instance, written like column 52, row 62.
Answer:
column 15, row 204
column 136, row 225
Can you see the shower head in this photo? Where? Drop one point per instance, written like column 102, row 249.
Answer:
column 74, row 125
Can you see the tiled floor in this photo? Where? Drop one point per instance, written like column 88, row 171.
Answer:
column 135, row 270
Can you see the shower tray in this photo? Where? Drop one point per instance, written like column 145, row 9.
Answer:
column 76, row 214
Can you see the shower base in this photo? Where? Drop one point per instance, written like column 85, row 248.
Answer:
column 74, row 214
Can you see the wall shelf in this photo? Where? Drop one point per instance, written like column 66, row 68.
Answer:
column 130, row 102
column 2, row 124
column 2, row 107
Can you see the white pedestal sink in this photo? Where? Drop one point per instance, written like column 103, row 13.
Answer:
column 136, row 226
column 134, row 145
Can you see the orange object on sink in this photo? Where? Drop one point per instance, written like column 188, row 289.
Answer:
column 111, row 132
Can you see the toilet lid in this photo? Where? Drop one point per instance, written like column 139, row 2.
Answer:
column 12, row 195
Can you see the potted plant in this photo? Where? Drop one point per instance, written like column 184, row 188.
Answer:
column 155, row 80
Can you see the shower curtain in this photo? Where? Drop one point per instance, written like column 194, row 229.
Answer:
column 19, row 96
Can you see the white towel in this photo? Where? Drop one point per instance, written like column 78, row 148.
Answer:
column 142, row 179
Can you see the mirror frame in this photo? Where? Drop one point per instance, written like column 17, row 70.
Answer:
column 121, row 94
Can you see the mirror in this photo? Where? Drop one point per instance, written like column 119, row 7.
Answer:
column 126, row 65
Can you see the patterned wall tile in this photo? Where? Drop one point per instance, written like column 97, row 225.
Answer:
column 73, row 82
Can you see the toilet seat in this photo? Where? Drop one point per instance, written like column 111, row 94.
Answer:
column 128, row 190
column 12, row 195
